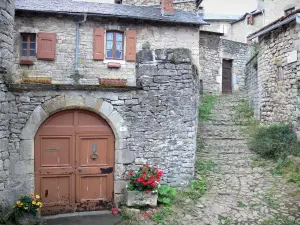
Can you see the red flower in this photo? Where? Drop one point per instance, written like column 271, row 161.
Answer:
column 130, row 173
column 153, row 185
column 126, row 178
column 114, row 211
column 148, row 192
column 139, row 180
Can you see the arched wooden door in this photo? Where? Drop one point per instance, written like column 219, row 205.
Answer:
column 74, row 162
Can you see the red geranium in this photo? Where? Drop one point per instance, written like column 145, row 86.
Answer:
column 145, row 179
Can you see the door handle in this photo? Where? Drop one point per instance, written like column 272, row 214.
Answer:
column 80, row 170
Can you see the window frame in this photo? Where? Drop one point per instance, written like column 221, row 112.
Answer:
column 114, row 44
column 289, row 11
column 28, row 45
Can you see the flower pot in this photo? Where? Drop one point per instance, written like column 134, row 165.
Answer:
column 112, row 82
column 140, row 198
column 37, row 80
column 28, row 219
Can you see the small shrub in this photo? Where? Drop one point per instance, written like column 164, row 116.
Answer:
column 274, row 141
column 202, row 167
column 28, row 205
column 280, row 220
column 207, row 103
column 166, row 194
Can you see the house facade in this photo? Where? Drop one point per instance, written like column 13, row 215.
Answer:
column 92, row 90
column 272, row 77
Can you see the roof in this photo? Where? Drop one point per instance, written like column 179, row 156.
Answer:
column 277, row 23
column 220, row 17
column 150, row 13
column 253, row 13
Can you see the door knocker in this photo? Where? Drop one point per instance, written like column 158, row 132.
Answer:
column 94, row 155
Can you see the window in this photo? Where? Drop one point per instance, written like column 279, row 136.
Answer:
column 250, row 20
column 289, row 11
column 28, row 45
column 114, row 45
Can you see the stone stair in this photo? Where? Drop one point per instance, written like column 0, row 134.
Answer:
column 234, row 179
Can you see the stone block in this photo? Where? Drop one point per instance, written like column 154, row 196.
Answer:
column 140, row 198
column 53, row 105
column 93, row 103
column 27, row 149
column 119, row 186
column 37, row 117
column 106, row 108
column 124, row 156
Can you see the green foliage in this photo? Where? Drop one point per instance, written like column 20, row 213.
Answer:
column 28, row 205
column 6, row 218
column 287, row 168
column 166, row 194
column 280, row 220
column 226, row 220
column 197, row 188
column 244, row 113
column 274, row 141
column 241, row 204
column 202, row 167
column 207, row 103
column 159, row 217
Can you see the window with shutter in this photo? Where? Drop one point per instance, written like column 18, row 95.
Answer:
column 46, row 46
column 98, row 44
column 131, row 46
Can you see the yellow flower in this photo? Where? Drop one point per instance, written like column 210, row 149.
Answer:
column 37, row 196
column 21, row 203
column 41, row 205
column 18, row 202
column 25, row 208
column 33, row 202
column 37, row 209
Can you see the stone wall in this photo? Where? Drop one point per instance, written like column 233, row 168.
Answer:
column 274, row 9
column 240, row 30
column 278, row 72
column 62, row 68
column 213, row 49
column 251, row 87
column 6, row 54
column 155, row 123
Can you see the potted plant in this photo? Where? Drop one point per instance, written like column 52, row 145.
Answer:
column 27, row 209
column 142, row 187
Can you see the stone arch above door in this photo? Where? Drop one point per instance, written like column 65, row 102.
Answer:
column 63, row 102
column 90, row 103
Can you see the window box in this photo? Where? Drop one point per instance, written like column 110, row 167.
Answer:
column 114, row 65
column 112, row 82
column 37, row 80
column 26, row 62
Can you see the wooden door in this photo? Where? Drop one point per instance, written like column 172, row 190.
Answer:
column 74, row 162
column 227, row 77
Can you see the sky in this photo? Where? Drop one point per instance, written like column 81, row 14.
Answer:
column 231, row 7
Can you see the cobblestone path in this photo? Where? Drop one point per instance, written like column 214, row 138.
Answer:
column 241, row 191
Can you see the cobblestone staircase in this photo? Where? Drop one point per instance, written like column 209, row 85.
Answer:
column 239, row 192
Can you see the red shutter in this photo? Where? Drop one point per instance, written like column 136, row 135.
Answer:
column 131, row 45
column 46, row 48
column 251, row 19
column 98, row 44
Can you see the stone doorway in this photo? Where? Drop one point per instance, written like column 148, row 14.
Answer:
column 227, row 76
column 74, row 162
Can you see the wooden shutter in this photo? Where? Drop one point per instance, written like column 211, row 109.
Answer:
column 131, row 46
column 98, row 44
column 46, row 48
column 251, row 20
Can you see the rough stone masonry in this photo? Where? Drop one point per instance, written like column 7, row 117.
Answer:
column 155, row 123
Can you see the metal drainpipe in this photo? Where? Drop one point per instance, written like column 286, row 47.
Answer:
column 77, row 42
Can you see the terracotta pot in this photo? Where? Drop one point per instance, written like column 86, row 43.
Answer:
column 37, row 80
column 112, row 82
column 140, row 198
column 28, row 219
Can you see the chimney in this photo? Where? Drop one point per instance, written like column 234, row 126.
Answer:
column 167, row 7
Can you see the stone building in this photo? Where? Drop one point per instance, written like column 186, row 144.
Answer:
column 273, row 74
column 93, row 90
column 246, row 25
column 222, row 65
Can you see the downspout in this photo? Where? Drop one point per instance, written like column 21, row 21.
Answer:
column 77, row 42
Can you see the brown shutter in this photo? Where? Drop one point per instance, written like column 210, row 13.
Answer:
column 98, row 44
column 46, row 48
column 251, row 19
column 131, row 45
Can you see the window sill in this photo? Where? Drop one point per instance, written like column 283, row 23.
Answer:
column 122, row 62
column 26, row 62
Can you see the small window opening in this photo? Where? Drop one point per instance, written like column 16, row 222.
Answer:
column 114, row 45
column 28, row 45
column 289, row 11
